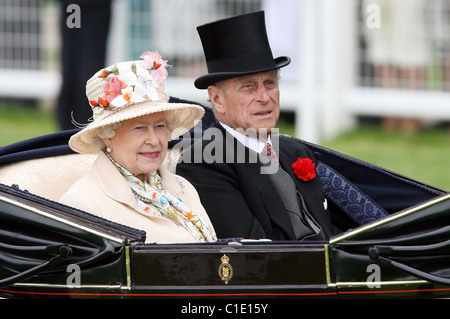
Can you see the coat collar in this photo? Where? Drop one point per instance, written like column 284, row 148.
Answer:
column 116, row 187
column 250, row 142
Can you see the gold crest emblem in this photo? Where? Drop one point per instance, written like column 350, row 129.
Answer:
column 225, row 269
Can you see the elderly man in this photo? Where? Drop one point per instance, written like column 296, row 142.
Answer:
column 241, row 198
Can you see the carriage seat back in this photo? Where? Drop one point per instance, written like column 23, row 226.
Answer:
column 51, row 177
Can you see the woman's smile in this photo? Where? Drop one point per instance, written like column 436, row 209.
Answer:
column 150, row 155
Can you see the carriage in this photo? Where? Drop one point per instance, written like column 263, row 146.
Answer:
column 394, row 241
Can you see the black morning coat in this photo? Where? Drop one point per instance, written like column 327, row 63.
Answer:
column 243, row 203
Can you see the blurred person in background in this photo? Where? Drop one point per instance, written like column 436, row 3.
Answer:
column 440, row 21
column 399, row 50
column 83, row 53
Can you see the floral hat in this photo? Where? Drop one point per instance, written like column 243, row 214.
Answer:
column 128, row 90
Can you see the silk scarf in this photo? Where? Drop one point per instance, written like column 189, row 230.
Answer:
column 154, row 200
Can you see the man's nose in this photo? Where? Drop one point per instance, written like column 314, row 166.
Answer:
column 263, row 95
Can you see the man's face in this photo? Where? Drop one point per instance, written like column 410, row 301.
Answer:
column 251, row 101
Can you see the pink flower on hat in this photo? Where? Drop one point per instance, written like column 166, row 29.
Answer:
column 113, row 88
column 142, row 81
column 154, row 62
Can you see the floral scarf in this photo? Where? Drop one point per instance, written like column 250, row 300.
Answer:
column 153, row 200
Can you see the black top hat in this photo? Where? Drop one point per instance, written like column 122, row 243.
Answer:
column 236, row 46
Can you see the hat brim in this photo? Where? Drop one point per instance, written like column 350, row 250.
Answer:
column 182, row 118
column 206, row 80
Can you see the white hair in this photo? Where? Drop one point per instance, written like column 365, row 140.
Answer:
column 103, row 132
column 109, row 131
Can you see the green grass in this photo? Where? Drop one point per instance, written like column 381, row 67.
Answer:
column 424, row 155
column 19, row 122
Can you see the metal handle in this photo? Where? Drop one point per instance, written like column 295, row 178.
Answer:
column 64, row 252
column 381, row 252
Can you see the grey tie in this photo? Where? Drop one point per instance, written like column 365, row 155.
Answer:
column 303, row 224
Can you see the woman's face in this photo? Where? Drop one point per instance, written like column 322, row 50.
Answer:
column 140, row 144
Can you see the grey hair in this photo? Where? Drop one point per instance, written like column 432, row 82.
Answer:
column 103, row 132
column 109, row 131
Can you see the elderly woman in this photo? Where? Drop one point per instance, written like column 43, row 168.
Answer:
column 133, row 123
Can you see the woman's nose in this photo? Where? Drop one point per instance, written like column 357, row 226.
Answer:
column 152, row 138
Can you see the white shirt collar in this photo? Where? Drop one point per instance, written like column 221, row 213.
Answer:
column 251, row 142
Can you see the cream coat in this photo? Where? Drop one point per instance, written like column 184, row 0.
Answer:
column 105, row 192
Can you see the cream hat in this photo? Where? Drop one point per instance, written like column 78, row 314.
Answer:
column 128, row 90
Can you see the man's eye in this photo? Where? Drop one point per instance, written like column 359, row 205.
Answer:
column 271, row 83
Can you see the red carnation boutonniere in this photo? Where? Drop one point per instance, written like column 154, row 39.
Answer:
column 305, row 169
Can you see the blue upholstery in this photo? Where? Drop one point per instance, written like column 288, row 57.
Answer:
column 349, row 198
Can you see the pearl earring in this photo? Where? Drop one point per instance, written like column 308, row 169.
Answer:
column 108, row 149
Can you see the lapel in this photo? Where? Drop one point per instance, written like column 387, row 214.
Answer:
column 272, row 202
column 311, row 191
column 115, row 186
column 287, row 157
column 112, row 182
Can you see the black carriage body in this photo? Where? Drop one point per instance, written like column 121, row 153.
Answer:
column 48, row 250
column 113, row 262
